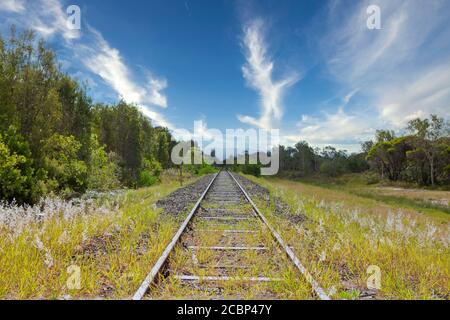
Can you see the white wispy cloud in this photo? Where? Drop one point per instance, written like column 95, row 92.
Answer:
column 106, row 62
column 338, row 128
column 402, row 70
column 12, row 5
column 155, row 96
column 157, row 117
column 349, row 96
column 404, row 66
column 258, row 72
column 53, row 12
column 403, row 100
column 48, row 18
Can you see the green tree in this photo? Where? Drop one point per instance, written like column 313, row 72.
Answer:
column 428, row 134
column 304, row 158
column 56, row 118
column 103, row 170
column 163, row 147
column 390, row 156
column 66, row 172
column 153, row 167
column 18, row 179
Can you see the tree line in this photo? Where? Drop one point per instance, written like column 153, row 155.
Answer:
column 421, row 155
column 54, row 138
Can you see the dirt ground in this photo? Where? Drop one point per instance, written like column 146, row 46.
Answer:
column 441, row 198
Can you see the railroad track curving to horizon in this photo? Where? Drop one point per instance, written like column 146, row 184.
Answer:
column 227, row 249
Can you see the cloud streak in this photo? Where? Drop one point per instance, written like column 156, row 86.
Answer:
column 106, row 62
column 258, row 72
column 12, row 5
column 337, row 128
column 391, row 64
column 48, row 19
column 402, row 71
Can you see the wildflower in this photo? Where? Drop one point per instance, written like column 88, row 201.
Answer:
column 41, row 247
column 390, row 222
column 323, row 256
column 48, row 260
column 15, row 217
column 63, row 237
column 431, row 230
column 38, row 243
column 336, row 247
column 399, row 226
column 84, row 235
column 332, row 291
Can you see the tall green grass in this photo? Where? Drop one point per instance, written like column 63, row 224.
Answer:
column 343, row 236
column 112, row 244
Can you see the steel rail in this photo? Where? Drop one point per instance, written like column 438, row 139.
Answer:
column 316, row 287
column 162, row 260
column 140, row 293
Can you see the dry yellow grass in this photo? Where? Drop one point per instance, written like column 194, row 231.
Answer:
column 345, row 237
column 114, row 243
column 238, row 265
column 109, row 246
column 272, row 263
column 435, row 197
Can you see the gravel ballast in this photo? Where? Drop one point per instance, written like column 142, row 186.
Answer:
column 256, row 191
column 178, row 202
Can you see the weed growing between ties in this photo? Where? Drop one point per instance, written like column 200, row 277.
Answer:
column 271, row 262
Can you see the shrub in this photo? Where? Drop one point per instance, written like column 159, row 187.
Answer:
column 102, row 167
column 18, row 178
column 252, row 169
column 66, row 172
column 146, row 179
column 332, row 168
column 153, row 167
column 371, row 178
column 206, row 169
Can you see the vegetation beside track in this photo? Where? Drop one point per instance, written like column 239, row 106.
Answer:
column 344, row 236
column 113, row 241
column 430, row 201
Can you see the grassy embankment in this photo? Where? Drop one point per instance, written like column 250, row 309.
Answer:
column 113, row 241
column 433, row 201
column 345, row 233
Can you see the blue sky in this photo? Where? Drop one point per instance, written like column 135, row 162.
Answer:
column 310, row 68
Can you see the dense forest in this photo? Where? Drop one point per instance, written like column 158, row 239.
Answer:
column 53, row 138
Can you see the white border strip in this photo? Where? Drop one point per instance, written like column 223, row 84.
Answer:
column 226, row 278
column 317, row 289
column 158, row 265
column 228, row 248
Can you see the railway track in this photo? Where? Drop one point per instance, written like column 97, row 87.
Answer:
column 226, row 249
